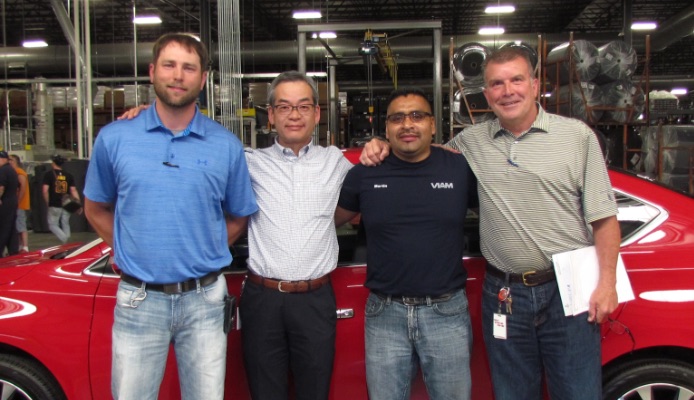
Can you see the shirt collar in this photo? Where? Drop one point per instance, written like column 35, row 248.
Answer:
column 541, row 124
column 289, row 153
column 153, row 122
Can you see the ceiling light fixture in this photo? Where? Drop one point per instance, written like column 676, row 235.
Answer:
column 491, row 30
column 147, row 20
column 34, row 43
column 306, row 14
column 643, row 26
column 327, row 35
column 679, row 91
column 500, row 9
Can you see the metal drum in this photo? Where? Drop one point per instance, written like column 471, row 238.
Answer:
column 585, row 63
column 617, row 62
column 476, row 102
column 467, row 64
column 532, row 54
column 626, row 99
column 572, row 104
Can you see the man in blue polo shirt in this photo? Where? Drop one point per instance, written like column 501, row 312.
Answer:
column 164, row 190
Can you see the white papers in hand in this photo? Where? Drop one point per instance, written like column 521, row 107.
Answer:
column 577, row 276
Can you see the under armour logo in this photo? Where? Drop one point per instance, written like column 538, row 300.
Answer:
column 202, row 162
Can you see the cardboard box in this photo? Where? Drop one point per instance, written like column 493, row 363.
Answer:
column 114, row 99
column 323, row 93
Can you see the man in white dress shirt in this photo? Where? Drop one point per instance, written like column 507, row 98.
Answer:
column 288, row 306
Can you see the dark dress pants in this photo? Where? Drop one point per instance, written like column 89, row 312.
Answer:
column 284, row 332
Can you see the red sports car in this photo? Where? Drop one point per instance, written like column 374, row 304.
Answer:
column 56, row 311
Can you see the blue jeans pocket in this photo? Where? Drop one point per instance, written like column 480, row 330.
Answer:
column 126, row 297
column 374, row 306
column 456, row 305
column 215, row 293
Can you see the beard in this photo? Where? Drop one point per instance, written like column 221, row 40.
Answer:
column 180, row 102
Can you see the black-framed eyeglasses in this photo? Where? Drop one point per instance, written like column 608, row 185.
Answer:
column 619, row 328
column 286, row 109
column 415, row 116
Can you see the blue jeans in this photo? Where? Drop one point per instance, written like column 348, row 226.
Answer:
column 438, row 337
column 146, row 322
column 59, row 223
column 541, row 340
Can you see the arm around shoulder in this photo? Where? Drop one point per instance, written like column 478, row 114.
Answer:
column 375, row 151
column 236, row 226
column 342, row 216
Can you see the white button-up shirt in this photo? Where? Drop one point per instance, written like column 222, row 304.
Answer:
column 292, row 236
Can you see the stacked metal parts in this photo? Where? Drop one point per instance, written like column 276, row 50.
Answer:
column 617, row 62
column 473, row 100
column 532, row 54
column 595, row 84
column 580, row 101
column 469, row 102
column 624, row 101
column 43, row 119
column 582, row 64
column 672, row 146
column 467, row 64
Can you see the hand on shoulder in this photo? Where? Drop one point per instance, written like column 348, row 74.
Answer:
column 133, row 112
column 374, row 152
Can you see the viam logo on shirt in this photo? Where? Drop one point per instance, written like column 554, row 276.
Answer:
column 442, row 185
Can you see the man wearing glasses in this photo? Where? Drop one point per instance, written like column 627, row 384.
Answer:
column 288, row 305
column 288, row 308
column 413, row 209
column 544, row 189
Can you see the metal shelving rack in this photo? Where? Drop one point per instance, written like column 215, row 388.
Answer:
column 455, row 85
column 644, row 81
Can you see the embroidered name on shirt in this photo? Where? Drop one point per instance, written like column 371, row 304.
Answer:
column 380, row 186
column 442, row 185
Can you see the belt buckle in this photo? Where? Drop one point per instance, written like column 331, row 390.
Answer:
column 410, row 301
column 172, row 288
column 279, row 286
column 525, row 275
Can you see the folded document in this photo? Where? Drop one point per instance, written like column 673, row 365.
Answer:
column 577, row 276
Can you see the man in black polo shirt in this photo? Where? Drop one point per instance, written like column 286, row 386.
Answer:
column 413, row 210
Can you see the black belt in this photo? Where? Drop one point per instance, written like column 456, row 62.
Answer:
column 528, row 278
column 414, row 301
column 173, row 288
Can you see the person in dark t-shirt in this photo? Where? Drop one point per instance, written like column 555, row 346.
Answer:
column 56, row 184
column 413, row 208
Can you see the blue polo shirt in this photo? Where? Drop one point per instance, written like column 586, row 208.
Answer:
column 170, row 194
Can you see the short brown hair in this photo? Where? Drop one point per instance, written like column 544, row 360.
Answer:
column 189, row 42
column 506, row 54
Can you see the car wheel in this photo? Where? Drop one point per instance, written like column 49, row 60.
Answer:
column 25, row 379
column 651, row 380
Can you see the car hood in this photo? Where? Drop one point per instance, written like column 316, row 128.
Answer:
column 15, row 267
